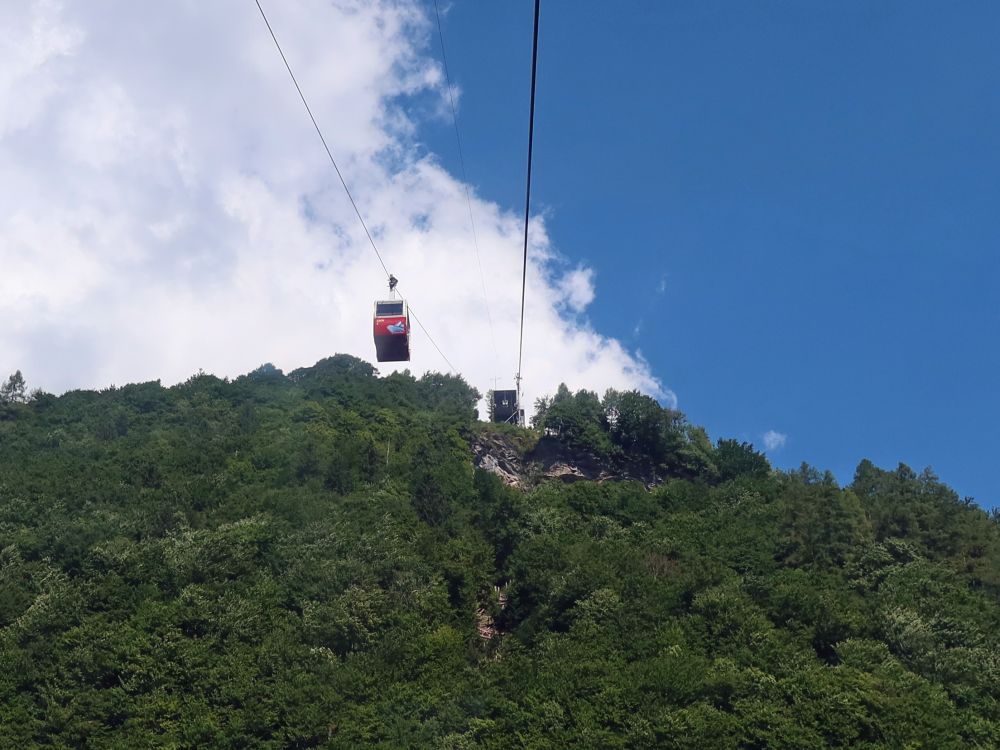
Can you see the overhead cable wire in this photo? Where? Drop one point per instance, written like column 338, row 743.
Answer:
column 320, row 134
column 465, row 179
column 343, row 182
column 527, row 193
column 431, row 339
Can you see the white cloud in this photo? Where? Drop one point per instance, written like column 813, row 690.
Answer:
column 166, row 205
column 577, row 287
column 33, row 43
column 774, row 440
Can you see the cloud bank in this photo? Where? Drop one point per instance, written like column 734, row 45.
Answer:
column 165, row 205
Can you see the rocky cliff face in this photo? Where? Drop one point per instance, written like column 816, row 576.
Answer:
column 550, row 459
column 498, row 455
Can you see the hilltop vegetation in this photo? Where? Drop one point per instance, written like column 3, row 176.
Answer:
column 307, row 560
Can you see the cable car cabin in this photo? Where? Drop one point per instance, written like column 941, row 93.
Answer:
column 505, row 407
column 392, row 331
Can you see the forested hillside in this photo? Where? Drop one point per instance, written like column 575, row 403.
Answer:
column 311, row 560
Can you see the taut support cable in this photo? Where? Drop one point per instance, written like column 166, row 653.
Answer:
column 527, row 194
column 329, row 153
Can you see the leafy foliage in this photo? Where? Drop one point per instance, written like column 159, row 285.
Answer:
column 629, row 427
column 306, row 559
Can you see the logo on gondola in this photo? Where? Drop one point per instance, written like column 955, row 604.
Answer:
column 399, row 327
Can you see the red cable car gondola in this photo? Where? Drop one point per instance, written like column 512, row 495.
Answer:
column 392, row 328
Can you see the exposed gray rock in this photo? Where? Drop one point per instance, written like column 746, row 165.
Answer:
column 494, row 454
column 550, row 459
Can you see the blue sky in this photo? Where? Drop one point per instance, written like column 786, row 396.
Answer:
column 790, row 208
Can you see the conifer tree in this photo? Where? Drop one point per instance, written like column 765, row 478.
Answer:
column 14, row 390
